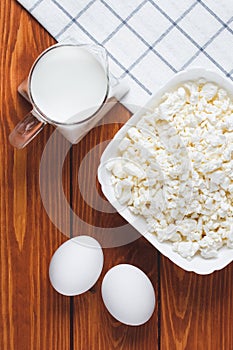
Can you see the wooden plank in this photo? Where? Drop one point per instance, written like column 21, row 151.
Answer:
column 196, row 311
column 94, row 327
column 33, row 315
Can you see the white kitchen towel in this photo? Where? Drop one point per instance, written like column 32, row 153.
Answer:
column 147, row 41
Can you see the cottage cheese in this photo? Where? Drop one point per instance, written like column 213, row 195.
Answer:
column 175, row 168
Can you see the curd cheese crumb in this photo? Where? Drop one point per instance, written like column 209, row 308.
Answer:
column 175, row 169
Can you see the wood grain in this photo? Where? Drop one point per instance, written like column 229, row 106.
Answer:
column 102, row 332
column 196, row 311
column 33, row 315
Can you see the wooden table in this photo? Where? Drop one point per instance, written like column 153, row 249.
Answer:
column 192, row 312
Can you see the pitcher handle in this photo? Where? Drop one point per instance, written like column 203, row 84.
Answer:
column 26, row 130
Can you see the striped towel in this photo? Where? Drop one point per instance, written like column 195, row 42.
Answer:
column 147, row 41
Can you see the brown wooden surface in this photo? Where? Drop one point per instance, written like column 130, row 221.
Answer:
column 192, row 312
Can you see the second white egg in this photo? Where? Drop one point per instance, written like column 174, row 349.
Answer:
column 128, row 294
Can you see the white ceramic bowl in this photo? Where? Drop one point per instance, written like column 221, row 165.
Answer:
column 197, row 264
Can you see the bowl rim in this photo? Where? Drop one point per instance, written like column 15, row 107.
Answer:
column 197, row 264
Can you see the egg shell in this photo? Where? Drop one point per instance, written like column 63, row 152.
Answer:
column 76, row 265
column 128, row 294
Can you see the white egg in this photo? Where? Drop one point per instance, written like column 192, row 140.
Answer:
column 128, row 294
column 76, row 265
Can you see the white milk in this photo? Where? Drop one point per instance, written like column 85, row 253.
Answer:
column 68, row 84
